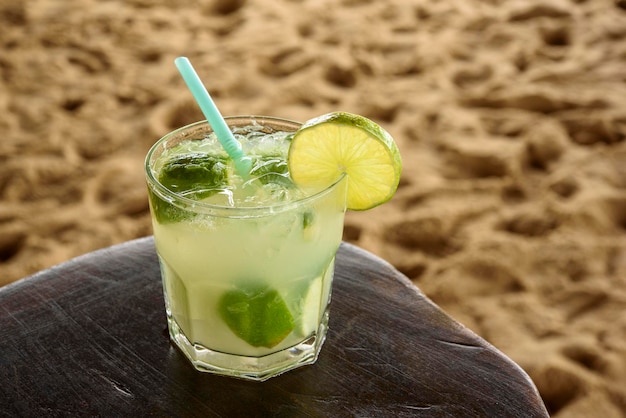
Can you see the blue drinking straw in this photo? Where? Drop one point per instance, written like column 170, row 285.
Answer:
column 243, row 164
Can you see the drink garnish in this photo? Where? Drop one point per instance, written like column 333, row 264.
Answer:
column 339, row 143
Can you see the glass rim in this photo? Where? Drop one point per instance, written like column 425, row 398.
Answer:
column 189, row 204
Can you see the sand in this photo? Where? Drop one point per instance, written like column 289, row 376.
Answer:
column 510, row 116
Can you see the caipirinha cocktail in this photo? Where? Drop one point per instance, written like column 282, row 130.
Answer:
column 247, row 263
column 247, row 260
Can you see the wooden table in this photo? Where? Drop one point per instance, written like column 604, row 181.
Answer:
column 89, row 338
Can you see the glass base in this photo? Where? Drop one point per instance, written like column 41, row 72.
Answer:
column 250, row 368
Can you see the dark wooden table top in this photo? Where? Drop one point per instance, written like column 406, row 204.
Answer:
column 89, row 338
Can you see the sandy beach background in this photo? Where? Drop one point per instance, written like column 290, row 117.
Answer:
column 510, row 116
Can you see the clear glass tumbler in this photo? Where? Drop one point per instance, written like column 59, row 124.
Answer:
column 247, row 289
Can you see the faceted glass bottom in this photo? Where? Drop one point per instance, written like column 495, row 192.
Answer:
column 250, row 368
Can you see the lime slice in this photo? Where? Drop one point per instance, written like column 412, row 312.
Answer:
column 257, row 314
column 330, row 145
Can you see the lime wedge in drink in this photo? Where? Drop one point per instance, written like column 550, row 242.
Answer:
column 336, row 143
column 194, row 175
column 257, row 314
column 308, row 308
